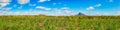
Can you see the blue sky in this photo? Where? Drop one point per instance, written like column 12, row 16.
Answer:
column 59, row 7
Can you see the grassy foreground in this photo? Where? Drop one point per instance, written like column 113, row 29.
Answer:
column 59, row 23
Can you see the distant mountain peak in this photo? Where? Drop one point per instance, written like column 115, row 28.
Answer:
column 80, row 14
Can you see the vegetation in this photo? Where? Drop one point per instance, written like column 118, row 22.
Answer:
column 59, row 22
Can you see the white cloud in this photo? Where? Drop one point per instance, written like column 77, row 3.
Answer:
column 101, row 14
column 90, row 8
column 98, row 5
column 6, row 9
column 57, row 3
column 44, row 0
column 94, row 14
column 64, row 8
column 4, row 3
column 43, row 8
column 93, row 7
column 118, row 13
column 57, row 12
column 0, row 11
column 64, row 11
column 5, row 13
column 32, row 4
column 23, row 1
column 68, row 11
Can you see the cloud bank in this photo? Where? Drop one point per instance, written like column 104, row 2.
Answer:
column 44, row 0
column 4, row 3
column 23, row 1
column 43, row 8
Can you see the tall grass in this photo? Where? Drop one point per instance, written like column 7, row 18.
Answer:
column 59, row 23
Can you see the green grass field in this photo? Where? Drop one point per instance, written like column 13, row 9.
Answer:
column 59, row 22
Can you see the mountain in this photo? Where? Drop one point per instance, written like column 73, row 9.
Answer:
column 80, row 14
